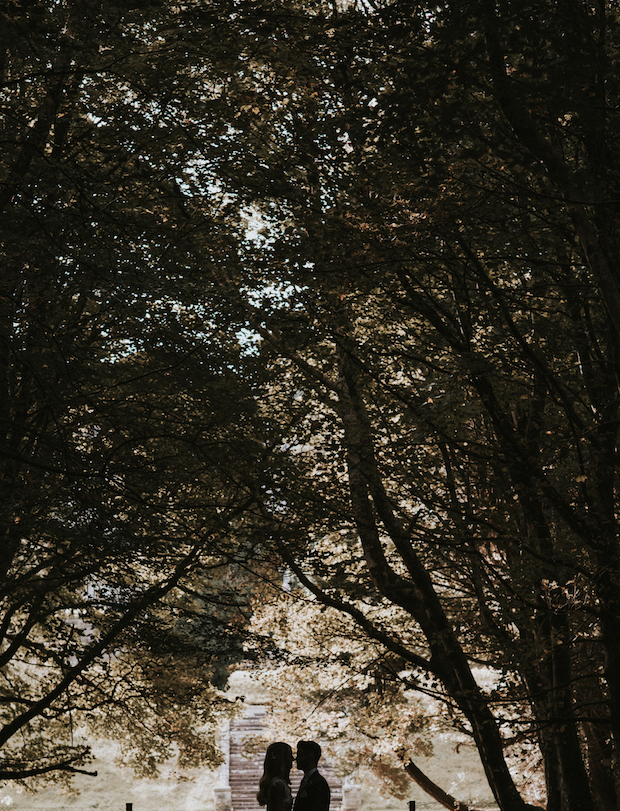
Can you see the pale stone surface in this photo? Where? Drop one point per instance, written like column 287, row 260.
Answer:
column 351, row 797
column 222, row 799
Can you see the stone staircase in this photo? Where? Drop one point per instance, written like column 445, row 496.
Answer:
column 247, row 745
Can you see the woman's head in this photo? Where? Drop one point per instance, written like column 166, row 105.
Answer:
column 278, row 760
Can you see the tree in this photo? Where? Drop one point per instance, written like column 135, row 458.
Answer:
column 125, row 475
column 437, row 308
column 417, row 344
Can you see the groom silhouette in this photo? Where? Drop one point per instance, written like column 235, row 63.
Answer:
column 313, row 794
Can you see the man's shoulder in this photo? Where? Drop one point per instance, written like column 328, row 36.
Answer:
column 317, row 777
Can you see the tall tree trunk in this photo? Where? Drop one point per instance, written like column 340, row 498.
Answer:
column 599, row 764
column 417, row 594
column 568, row 786
column 610, row 626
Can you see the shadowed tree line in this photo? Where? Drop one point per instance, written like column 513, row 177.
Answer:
column 325, row 289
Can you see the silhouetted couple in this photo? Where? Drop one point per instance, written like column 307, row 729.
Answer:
column 274, row 789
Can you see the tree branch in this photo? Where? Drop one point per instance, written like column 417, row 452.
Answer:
column 437, row 793
column 7, row 774
column 559, row 172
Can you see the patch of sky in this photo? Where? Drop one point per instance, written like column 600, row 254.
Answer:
column 258, row 229
column 249, row 342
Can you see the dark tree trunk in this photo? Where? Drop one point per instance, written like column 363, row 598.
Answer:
column 600, row 758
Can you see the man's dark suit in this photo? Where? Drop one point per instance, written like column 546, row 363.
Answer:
column 314, row 795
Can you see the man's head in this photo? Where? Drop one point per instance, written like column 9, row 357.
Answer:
column 308, row 754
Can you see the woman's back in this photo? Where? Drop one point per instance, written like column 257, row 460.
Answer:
column 279, row 797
